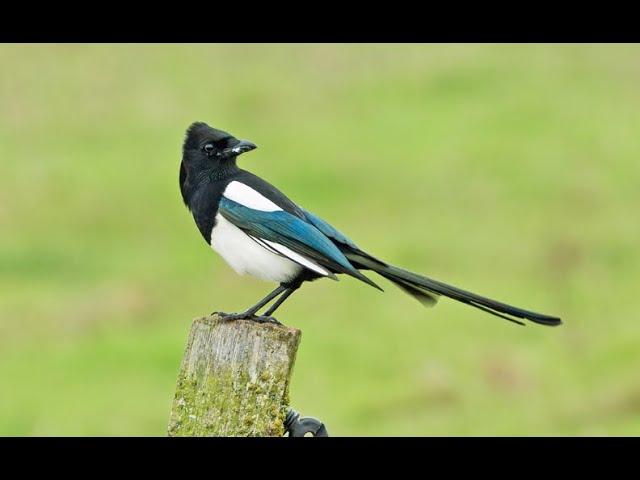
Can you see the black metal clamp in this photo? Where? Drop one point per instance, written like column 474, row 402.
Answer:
column 298, row 427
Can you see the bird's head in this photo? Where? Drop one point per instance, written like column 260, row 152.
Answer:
column 207, row 148
column 208, row 154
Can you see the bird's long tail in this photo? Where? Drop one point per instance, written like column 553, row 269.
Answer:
column 427, row 291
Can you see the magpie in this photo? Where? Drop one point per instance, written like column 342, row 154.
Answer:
column 259, row 231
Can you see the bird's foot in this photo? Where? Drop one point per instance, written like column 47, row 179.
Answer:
column 246, row 316
column 265, row 319
column 234, row 316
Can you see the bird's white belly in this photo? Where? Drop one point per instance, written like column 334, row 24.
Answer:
column 246, row 256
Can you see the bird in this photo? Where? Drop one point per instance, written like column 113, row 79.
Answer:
column 260, row 232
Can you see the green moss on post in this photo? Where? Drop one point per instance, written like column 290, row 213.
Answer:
column 234, row 379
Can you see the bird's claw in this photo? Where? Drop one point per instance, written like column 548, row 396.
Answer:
column 244, row 316
column 228, row 316
column 233, row 316
column 265, row 319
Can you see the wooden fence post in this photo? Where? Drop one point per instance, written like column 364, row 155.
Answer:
column 234, row 379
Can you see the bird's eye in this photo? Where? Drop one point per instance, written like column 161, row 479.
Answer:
column 208, row 148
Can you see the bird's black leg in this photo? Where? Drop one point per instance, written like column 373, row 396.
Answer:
column 289, row 289
column 250, row 313
column 279, row 302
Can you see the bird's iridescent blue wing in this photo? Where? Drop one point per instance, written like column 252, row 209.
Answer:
column 286, row 229
column 328, row 230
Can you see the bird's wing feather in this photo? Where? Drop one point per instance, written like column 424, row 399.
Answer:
column 346, row 245
column 328, row 230
column 292, row 232
column 362, row 259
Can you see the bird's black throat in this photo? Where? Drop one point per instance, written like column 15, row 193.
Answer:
column 193, row 178
column 202, row 188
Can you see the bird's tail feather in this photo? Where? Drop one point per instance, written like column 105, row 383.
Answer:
column 427, row 291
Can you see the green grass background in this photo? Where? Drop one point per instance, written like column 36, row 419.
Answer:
column 510, row 170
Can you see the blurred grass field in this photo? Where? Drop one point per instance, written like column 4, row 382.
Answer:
column 509, row 170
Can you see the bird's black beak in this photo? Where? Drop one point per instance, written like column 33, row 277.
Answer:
column 239, row 148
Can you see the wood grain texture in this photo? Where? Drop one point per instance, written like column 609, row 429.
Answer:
column 234, row 379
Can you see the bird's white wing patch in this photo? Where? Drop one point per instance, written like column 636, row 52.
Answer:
column 247, row 196
column 296, row 257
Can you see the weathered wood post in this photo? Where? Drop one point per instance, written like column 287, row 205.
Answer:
column 234, row 379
